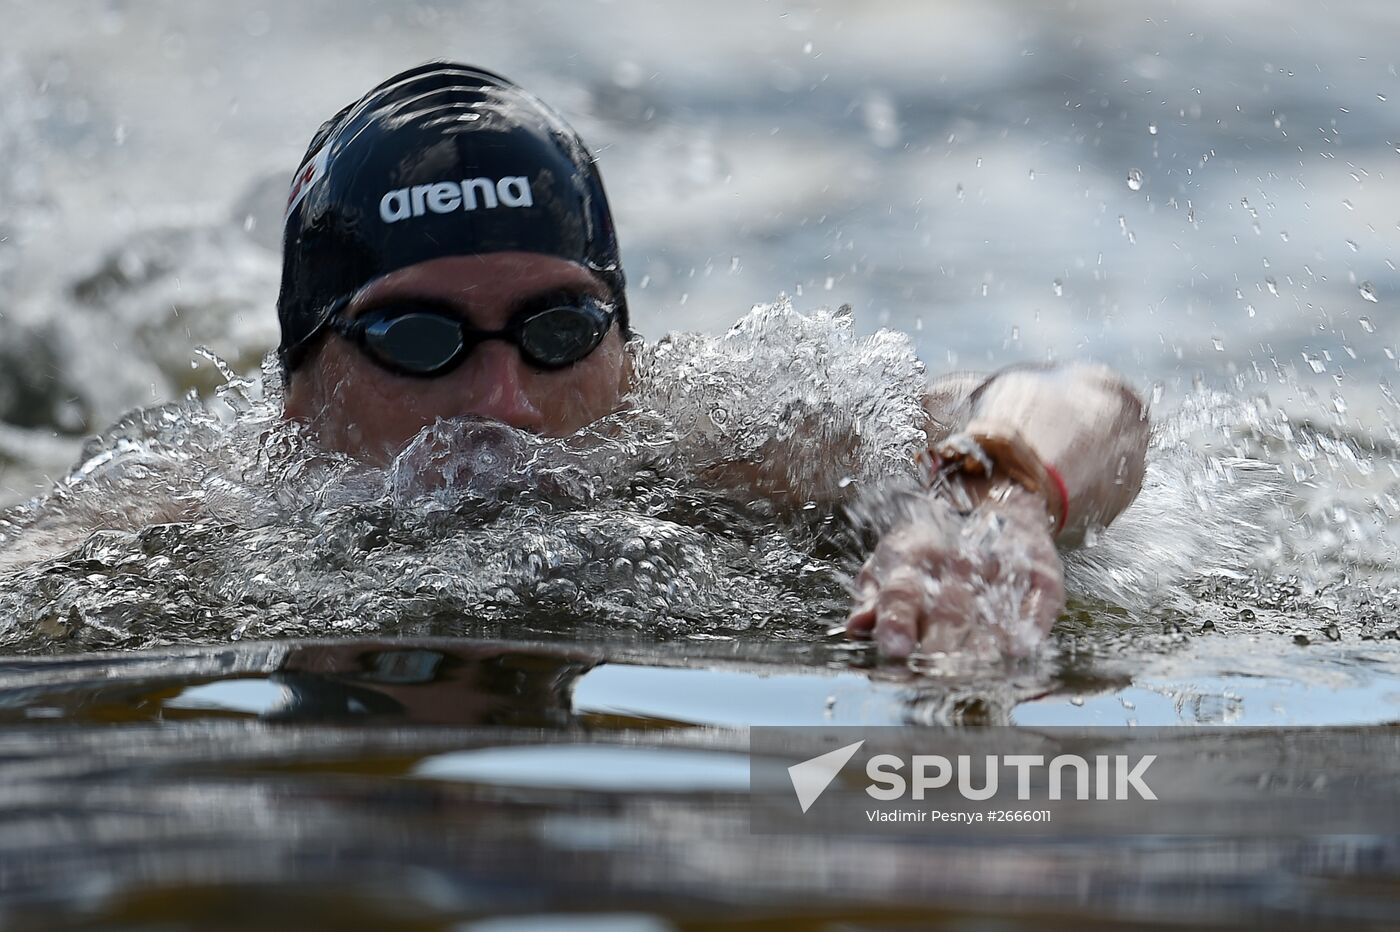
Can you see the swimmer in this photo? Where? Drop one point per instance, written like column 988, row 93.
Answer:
column 449, row 251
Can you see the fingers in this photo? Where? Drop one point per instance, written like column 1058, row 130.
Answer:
column 905, row 601
column 896, row 631
column 995, row 590
column 861, row 621
column 892, row 609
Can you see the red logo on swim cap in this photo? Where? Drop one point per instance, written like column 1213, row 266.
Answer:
column 310, row 173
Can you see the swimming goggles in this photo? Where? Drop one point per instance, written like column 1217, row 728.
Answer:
column 417, row 339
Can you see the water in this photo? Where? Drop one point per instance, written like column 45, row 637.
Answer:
column 280, row 681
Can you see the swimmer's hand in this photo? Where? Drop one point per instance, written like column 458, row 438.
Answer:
column 987, row 582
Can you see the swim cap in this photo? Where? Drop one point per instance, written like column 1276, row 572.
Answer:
column 441, row 160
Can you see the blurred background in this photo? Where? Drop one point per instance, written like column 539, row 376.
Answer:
column 1191, row 191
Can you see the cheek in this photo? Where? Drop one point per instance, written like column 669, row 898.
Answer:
column 595, row 382
column 356, row 407
column 576, row 397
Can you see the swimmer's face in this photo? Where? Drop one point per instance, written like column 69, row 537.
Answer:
column 358, row 407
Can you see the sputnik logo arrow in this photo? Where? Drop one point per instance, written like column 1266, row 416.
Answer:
column 811, row 777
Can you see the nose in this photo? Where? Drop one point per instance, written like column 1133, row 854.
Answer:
column 496, row 387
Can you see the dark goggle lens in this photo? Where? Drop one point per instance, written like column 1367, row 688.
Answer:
column 415, row 342
column 562, row 335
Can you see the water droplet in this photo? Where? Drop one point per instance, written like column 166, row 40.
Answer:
column 1158, row 391
column 734, row 264
column 1272, row 285
column 807, row 48
column 1348, row 204
column 1076, row 700
column 1031, row 174
column 1283, row 235
column 984, row 289
column 1366, row 325
column 1351, row 244
column 1380, row 97
column 1058, row 287
column 1315, row 364
column 1134, row 179
column 961, row 193
column 1249, row 309
column 1152, row 129
column 830, row 283
column 1219, row 347
column 1368, row 291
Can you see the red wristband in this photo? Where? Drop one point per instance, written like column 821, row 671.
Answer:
column 1059, row 481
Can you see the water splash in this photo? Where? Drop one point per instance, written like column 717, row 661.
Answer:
column 221, row 520
column 217, row 519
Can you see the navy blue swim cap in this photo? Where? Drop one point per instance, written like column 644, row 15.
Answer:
column 441, row 160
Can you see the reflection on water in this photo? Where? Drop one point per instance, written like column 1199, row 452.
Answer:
column 234, row 783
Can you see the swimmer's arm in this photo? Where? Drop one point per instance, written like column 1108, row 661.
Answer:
column 1084, row 421
column 973, row 566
